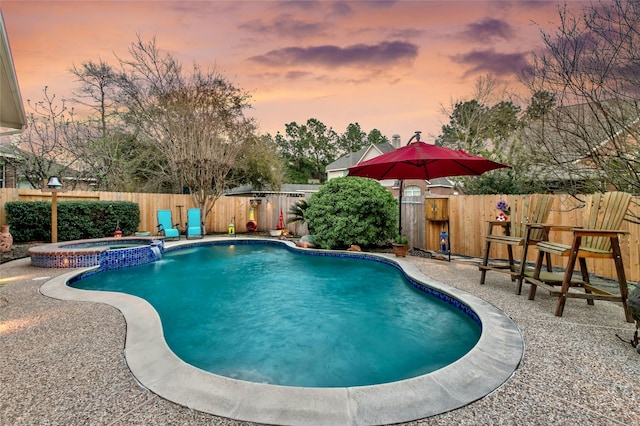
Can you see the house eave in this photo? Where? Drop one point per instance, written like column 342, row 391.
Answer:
column 12, row 114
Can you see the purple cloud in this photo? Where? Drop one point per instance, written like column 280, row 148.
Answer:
column 284, row 25
column 406, row 33
column 341, row 9
column 299, row 4
column 482, row 61
column 534, row 4
column 488, row 29
column 381, row 4
column 295, row 75
column 384, row 53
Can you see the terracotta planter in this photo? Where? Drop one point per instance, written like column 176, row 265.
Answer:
column 401, row 250
column 6, row 239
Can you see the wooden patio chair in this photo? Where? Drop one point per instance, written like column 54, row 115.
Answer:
column 514, row 233
column 598, row 239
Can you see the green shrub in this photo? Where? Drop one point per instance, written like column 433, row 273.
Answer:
column 352, row 210
column 31, row 220
column 401, row 239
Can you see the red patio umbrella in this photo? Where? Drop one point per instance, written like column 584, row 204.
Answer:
column 419, row 160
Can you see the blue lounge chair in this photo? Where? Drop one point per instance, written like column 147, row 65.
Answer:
column 194, row 224
column 165, row 225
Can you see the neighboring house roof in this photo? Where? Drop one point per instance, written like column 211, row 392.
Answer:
column 563, row 141
column 576, row 131
column 441, row 182
column 354, row 158
column 8, row 148
column 349, row 160
column 290, row 189
column 12, row 117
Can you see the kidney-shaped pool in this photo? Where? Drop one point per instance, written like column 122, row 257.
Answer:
column 264, row 313
column 282, row 332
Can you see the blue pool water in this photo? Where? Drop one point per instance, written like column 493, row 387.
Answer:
column 263, row 313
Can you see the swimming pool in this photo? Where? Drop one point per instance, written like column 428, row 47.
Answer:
column 487, row 366
column 268, row 314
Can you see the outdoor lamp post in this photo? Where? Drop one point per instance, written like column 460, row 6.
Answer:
column 54, row 186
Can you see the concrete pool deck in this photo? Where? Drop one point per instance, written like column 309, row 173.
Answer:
column 63, row 362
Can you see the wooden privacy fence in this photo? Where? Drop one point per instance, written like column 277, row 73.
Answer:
column 226, row 210
column 467, row 219
column 468, row 222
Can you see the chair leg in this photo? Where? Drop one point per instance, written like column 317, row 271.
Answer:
column 485, row 259
column 622, row 278
column 536, row 276
column 511, row 263
column 566, row 283
column 523, row 262
column 549, row 265
column 585, row 277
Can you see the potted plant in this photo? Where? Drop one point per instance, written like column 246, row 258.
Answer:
column 275, row 232
column 279, row 229
column 401, row 246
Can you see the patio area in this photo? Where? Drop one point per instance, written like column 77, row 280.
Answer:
column 62, row 362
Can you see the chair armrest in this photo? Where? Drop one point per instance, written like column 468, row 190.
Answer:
column 563, row 228
column 598, row 232
column 537, row 225
column 544, row 230
column 552, row 227
column 505, row 225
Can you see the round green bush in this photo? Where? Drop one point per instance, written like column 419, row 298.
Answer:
column 352, row 210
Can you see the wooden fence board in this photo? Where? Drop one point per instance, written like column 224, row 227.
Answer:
column 468, row 216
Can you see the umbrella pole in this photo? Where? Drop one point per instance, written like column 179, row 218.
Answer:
column 415, row 136
column 400, row 209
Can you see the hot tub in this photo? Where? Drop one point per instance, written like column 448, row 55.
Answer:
column 108, row 253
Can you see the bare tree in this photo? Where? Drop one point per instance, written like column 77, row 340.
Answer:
column 97, row 91
column 51, row 125
column 469, row 118
column 590, row 65
column 197, row 120
column 112, row 155
column 486, row 125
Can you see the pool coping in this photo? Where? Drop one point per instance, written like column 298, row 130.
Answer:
column 485, row 368
column 75, row 246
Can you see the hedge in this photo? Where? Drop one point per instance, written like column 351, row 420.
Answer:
column 31, row 220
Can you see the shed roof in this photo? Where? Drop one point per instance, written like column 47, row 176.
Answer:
column 289, row 189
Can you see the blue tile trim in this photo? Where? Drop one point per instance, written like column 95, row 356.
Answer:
column 123, row 258
column 65, row 260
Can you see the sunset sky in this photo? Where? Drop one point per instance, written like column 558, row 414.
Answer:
column 389, row 65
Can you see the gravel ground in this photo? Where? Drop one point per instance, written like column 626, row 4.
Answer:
column 62, row 362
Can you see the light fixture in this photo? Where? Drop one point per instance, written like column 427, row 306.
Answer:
column 54, row 186
column 54, row 183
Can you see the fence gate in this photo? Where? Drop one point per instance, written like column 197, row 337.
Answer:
column 413, row 220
